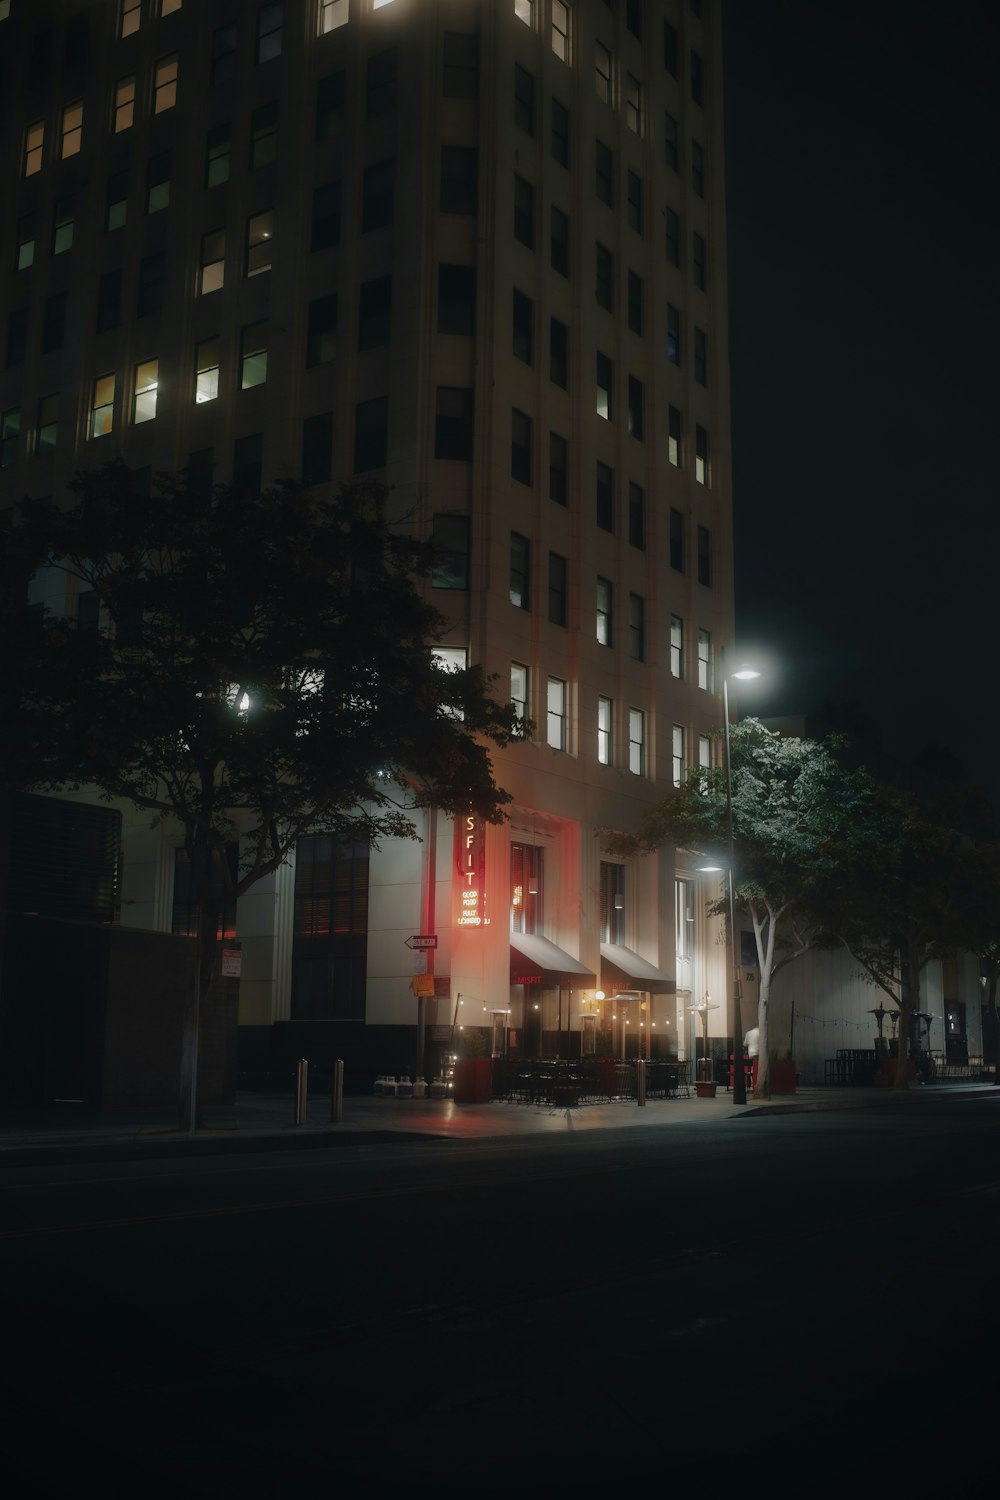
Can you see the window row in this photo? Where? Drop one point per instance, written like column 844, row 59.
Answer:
column 162, row 96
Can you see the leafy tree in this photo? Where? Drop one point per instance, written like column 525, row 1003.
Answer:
column 798, row 824
column 262, row 666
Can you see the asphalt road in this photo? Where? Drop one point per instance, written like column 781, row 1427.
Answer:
column 757, row 1304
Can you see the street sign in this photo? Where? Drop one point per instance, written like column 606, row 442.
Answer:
column 422, row 940
column 422, row 984
column 232, row 963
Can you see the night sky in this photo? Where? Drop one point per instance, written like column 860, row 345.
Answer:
column 863, row 260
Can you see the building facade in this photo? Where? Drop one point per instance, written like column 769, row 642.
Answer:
column 474, row 249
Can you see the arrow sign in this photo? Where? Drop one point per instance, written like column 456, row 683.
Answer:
column 422, row 940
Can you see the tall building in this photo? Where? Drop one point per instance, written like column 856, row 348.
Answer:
column 476, row 249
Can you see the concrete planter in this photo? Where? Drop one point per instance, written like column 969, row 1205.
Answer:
column 705, row 1089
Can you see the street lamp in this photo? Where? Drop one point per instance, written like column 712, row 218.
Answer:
column 742, row 674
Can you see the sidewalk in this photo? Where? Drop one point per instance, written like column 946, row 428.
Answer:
column 265, row 1122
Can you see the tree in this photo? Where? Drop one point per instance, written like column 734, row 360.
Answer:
column 262, row 666
column 798, row 821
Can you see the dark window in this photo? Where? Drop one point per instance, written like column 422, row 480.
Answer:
column 524, row 99
column 635, row 302
column 217, row 155
column 270, row 20
column 371, row 434
column 636, row 516
column 700, row 357
column 116, row 204
column 697, row 88
column 456, row 299
column 459, row 179
column 637, row 627
column 152, row 277
column 524, row 212
column 673, row 334
column 451, row 552
column 605, row 282
column 558, row 589
column 673, row 236
column 674, row 452
column 672, row 141
column 330, row 942
column 698, row 272
column 330, row 97
column 670, row 50
column 605, row 493
column 223, row 874
column 461, row 65
column 158, row 182
column 633, row 17
column 704, row 556
column 200, row 472
column 374, row 312
column 520, row 571
column 560, row 133
column 604, row 170
column 520, row 446
column 47, row 429
column 317, row 447
column 558, row 353
column 378, row 193
column 605, row 388
column 247, row 463
column 635, row 202
column 453, row 422
column 325, row 228
column 523, row 320
column 26, row 232
column 63, row 224
column 558, row 469
column 698, row 169
column 224, row 43
column 636, row 414
column 17, row 336
column 321, row 332
column 380, row 95
column 559, row 249
column 109, row 299
column 54, row 322
column 264, row 134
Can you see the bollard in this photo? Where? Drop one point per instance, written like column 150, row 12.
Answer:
column 337, row 1096
column 640, row 1082
column 301, row 1090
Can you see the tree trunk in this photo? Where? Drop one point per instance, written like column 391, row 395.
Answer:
column 765, row 957
column 195, row 997
column 909, row 1004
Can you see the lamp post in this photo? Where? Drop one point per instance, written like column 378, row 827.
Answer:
column 743, row 674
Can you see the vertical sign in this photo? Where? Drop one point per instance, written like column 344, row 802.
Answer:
column 470, row 859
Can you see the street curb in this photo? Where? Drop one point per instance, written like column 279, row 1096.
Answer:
column 209, row 1144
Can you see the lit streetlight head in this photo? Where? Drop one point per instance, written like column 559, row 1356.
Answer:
column 709, row 869
column 745, row 674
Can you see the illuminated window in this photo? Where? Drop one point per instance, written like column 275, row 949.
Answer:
column 144, row 392
column 705, row 752
column 555, row 716
column 26, row 231
column 605, row 393
column 212, row 267
column 47, row 430
column 378, row 4
column 677, row 755
column 450, row 540
column 253, row 355
column 167, row 7
column 605, row 731
column 524, row 10
column 264, row 135
column 158, row 183
column 605, row 615
column 270, row 23
column 674, row 453
column 520, row 571
column 332, row 13
column 63, row 222
column 633, row 103
column 671, row 138
column 34, row 140
column 637, row 627
column 701, row 455
column 705, row 660
column 131, row 16
column 676, row 540
column 102, row 406
column 72, row 129
column 602, row 63
column 321, row 331
column 4, row 9
column 636, row 515
column 698, row 260
column 10, row 429
column 165, row 84
column 260, row 235
column 676, row 646
column 637, row 742
column 124, row 103
column 206, row 371
column 520, row 446
column 519, row 689
column 560, row 30
column 700, row 357
column 558, row 468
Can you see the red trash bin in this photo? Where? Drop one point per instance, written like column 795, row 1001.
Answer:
column 473, row 1080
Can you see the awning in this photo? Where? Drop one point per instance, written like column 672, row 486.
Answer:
column 623, row 969
column 534, row 960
